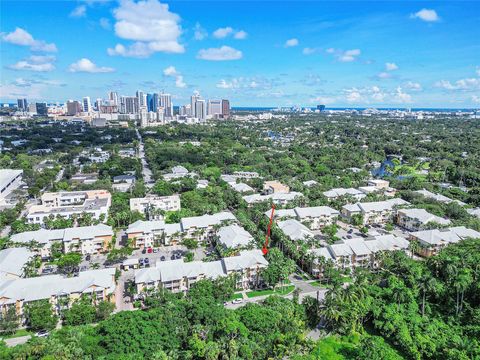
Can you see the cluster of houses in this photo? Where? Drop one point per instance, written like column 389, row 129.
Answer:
column 153, row 206
column 274, row 191
column 373, row 186
column 69, row 203
column 179, row 276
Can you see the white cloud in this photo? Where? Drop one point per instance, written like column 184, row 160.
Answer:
column 478, row 70
column 105, row 23
column 79, row 11
column 402, row 97
column 427, row 15
column 38, row 63
column 199, row 32
column 150, row 24
column 32, row 89
column 462, row 84
column 219, row 54
column 476, row 99
column 344, row 56
column 24, row 38
column 414, row 86
column 248, row 83
column 240, row 35
column 310, row 51
column 222, row 33
column 353, row 95
column 172, row 72
column 324, row 100
column 291, row 42
column 224, row 84
column 391, row 66
column 86, row 65
column 384, row 75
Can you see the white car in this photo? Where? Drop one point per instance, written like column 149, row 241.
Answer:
column 237, row 301
column 42, row 333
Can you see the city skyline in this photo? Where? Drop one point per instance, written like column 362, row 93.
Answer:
column 349, row 54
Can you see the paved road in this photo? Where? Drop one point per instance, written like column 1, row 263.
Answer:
column 17, row 340
column 147, row 173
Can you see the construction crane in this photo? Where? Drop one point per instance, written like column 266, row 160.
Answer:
column 267, row 237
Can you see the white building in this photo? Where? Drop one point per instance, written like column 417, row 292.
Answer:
column 418, row 219
column 13, row 261
column 151, row 204
column 276, row 198
column 233, row 236
column 339, row 192
column 374, row 212
column 10, row 180
column 295, row 230
column 316, row 217
column 69, row 203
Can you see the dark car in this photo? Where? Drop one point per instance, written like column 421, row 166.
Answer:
column 147, row 260
column 162, row 258
column 88, row 257
column 172, row 257
column 144, row 251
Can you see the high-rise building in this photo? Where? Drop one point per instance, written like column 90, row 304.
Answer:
column 22, row 104
column 113, row 97
column 193, row 100
column 165, row 101
column 200, row 110
column 214, row 107
column 86, row 104
column 184, row 110
column 129, row 105
column 225, row 108
column 142, row 99
column 32, row 108
column 320, row 107
column 152, row 102
column 73, row 107
column 42, row 108
column 98, row 104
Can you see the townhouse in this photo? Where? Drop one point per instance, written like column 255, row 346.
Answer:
column 374, row 212
column 178, row 276
column 178, row 172
column 152, row 206
column 84, row 239
column 275, row 187
column 438, row 197
column 418, row 219
column 10, row 180
column 276, row 198
column 13, row 262
column 233, row 236
column 156, row 233
column 295, row 230
column 60, row 291
column 333, row 194
column 69, row 203
column 432, row 241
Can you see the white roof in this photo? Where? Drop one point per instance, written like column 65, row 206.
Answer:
column 323, row 252
column 275, row 197
column 7, row 175
column 44, row 236
column 13, row 260
column 179, row 169
column 358, row 246
column 337, row 192
column 474, row 212
column 281, row 213
column 317, row 211
column 234, row 235
column 246, row 259
column 205, row 221
column 377, row 206
column 309, row 183
column 295, row 229
column 340, row 249
column 438, row 197
column 423, row 216
column 242, row 187
column 388, row 242
column 43, row 287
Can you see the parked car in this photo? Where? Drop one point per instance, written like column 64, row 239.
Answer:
column 42, row 333
column 172, row 257
column 237, row 301
column 156, row 250
column 149, row 250
column 162, row 258
column 144, row 251
column 147, row 260
column 88, row 257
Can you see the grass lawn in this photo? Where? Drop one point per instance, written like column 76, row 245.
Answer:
column 18, row 333
column 320, row 284
column 235, row 296
column 280, row 291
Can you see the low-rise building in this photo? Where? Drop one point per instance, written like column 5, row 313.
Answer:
column 275, row 187
column 379, row 183
column 241, row 187
column 474, row 212
column 418, row 219
column 179, row 276
column 153, row 206
column 68, row 203
column 86, row 179
column 314, row 217
column 157, row 233
column 93, row 239
column 178, row 172
column 295, row 230
column 438, row 197
column 378, row 212
column 333, row 194
column 123, row 183
column 276, row 198
column 10, row 180
column 233, row 236
column 60, row 291
column 13, row 261
column 432, row 241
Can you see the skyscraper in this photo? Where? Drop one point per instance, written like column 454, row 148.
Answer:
column 98, row 104
column 214, row 107
column 86, row 104
column 225, row 109
column 193, row 100
column 200, row 110
column 165, row 101
column 73, row 107
column 42, row 108
column 129, row 105
column 22, row 104
column 142, row 99
column 113, row 97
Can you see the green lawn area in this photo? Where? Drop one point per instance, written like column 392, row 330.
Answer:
column 18, row 333
column 318, row 283
column 280, row 291
column 235, row 296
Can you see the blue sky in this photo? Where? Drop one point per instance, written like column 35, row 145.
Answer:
column 395, row 53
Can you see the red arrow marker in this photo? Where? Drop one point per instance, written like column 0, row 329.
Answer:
column 267, row 238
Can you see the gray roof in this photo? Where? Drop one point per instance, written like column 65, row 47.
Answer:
column 43, row 287
column 13, row 260
column 275, row 197
column 474, row 212
column 246, row 259
column 340, row 249
column 423, row 216
column 358, row 246
column 376, row 206
column 242, row 187
column 323, row 252
column 7, row 175
column 317, row 211
column 234, row 235
column 295, row 229
column 388, row 242
column 337, row 192
column 445, row 236
column 205, row 221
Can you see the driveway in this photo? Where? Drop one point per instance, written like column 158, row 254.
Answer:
column 17, row 340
